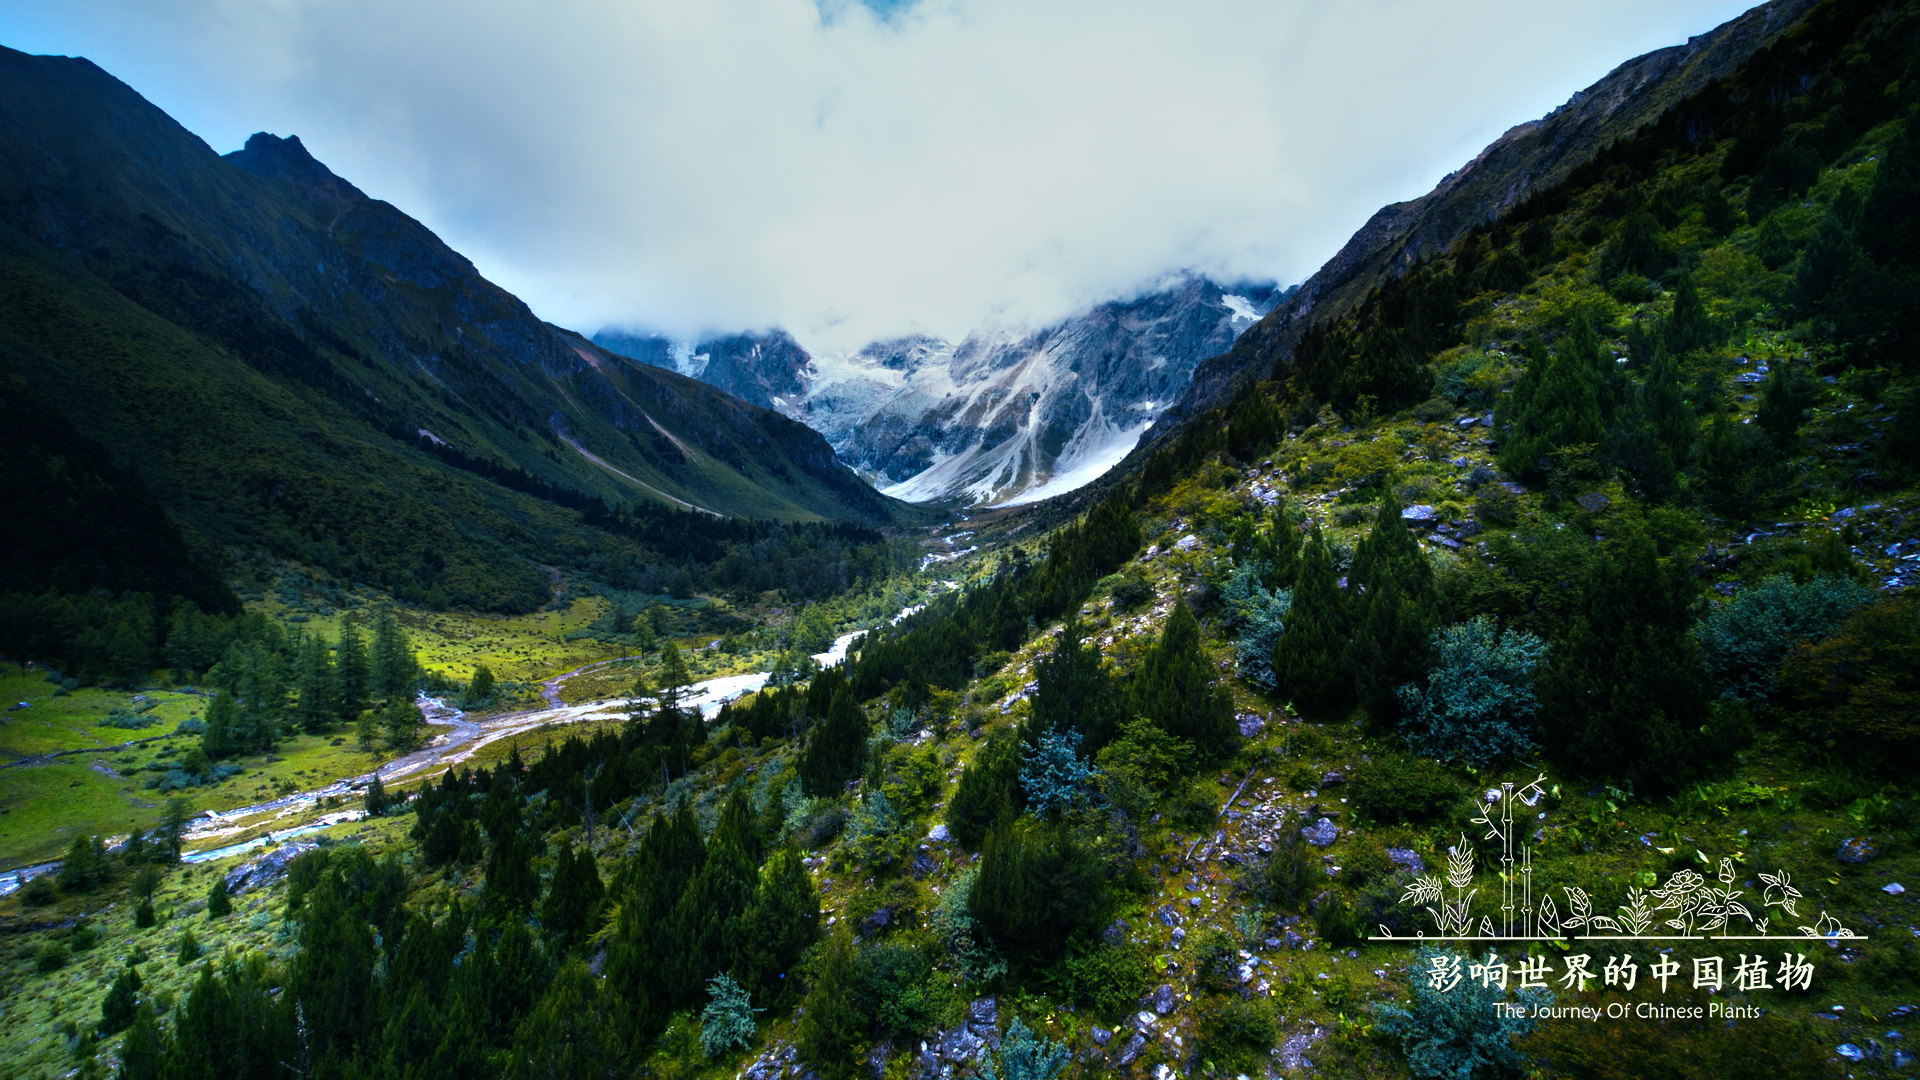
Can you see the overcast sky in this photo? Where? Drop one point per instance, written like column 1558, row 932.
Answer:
column 714, row 165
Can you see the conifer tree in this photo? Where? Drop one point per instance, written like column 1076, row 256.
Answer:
column 401, row 719
column 782, row 924
column 391, row 665
column 173, row 825
column 831, row 1021
column 674, row 677
column 317, row 701
column 1666, row 407
column 1397, row 602
column 122, row 1002
column 572, row 895
column 1178, row 688
column 568, row 1033
column 217, row 740
column 1783, row 403
column 710, row 916
column 989, row 789
column 480, row 690
column 1625, row 695
column 836, row 747
column 1036, row 890
column 1309, row 659
column 376, row 802
column 218, row 906
column 351, row 671
column 1555, row 409
column 1688, row 327
column 512, row 884
column 1074, row 692
column 143, row 1052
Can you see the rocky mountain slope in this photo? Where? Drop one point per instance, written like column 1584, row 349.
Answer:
column 1529, row 157
column 289, row 362
column 1001, row 417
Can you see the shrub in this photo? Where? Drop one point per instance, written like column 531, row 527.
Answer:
column 1455, row 1033
column 52, row 957
column 727, row 1021
column 187, row 947
column 39, row 891
column 1479, row 701
column 143, row 916
column 1107, row 979
column 1216, row 961
column 1860, row 690
column 1234, row 1034
column 895, row 991
column 1130, row 590
column 1287, row 877
column 953, row 923
column 1399, row 788
column 1026, row 1056
column 1337, row 923
column 1496, row 505
column 1052, row 775
column 1747, row 637
column 218, row 906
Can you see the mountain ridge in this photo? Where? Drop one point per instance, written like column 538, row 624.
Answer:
column 285, row 359
column 1001, row 417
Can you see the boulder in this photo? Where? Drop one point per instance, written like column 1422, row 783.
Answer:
column 1163, row 1000
column 1405, row 859
column 1321, row 833
column 1251, row 725
column 266, row 869
column 1855, row 850
column 1419, row 514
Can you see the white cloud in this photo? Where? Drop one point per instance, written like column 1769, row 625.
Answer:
column 743, row 163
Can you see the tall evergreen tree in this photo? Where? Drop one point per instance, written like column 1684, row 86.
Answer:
column 122, row 1002
column 402, row 722
column 217, row 740
column 351, row 671
column 989, row 789
column 710, row 917
column 1074, row 692
column 836, row 747
column 391, row 665
column 831, row 1022
column 317, row 696
column 1398, row 606
column 1554, row 406
column 1037, row 889
column 674, row 677
column 568, row 1035
column 572, row 895
column 1626, row 693
column 512, row 884
column 1689, row 326
column 782, row 924
column 1177, row 686
column 1309, row 659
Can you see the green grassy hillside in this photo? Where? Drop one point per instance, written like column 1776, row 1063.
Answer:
column 291, row 365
